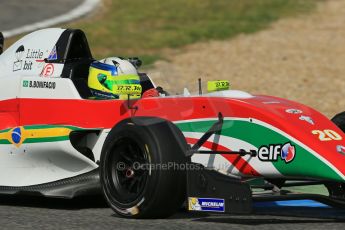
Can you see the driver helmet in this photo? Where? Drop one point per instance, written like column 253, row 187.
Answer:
column 114, row 78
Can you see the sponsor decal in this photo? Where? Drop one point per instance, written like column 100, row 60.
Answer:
column 219, row 85
column 303, row 154
column 36, row 54
column 25, row 83
column 206, row 204
column 53, row 54
column 48, row 70
column 327, row 135
column 27, row 63
column 35, row 134
column 273, row 152
column 39, row 84
column 288, row 152
column 16, row 135
column 293, row 111
column 18, row 63
column 341, row 149
column 307, row 119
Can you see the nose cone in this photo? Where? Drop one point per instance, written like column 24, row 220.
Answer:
column 312, row 145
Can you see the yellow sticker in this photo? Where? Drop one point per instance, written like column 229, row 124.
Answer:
column 218, row 85
column 127, row 89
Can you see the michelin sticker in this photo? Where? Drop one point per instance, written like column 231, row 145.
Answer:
column 206, row 204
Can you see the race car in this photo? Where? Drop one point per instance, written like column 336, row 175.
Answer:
column 149, row 156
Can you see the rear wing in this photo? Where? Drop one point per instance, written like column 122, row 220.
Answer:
column 2, row 39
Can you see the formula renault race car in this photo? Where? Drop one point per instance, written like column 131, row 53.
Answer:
column 149, row 156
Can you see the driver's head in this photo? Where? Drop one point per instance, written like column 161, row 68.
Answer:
column 114, row 78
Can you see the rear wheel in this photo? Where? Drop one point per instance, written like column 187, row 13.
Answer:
column 142, row 166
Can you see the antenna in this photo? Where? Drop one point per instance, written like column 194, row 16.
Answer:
column 200, row 88
column 135, row 108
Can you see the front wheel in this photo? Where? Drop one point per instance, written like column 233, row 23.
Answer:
column 142, row 168
column 336, row 189
column 339, row 120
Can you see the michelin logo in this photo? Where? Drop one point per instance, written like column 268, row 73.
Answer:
column 206, row 204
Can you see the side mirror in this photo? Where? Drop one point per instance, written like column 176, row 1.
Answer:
column 2, row 39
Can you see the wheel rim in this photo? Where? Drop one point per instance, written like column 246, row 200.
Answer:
column 128, row 175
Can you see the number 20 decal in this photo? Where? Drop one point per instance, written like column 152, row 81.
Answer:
column 327, row 135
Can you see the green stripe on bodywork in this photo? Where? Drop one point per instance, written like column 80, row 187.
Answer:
column 5, row 130
column 47, row 139
column 305, row 163
column 4, row 142
column 31, row 127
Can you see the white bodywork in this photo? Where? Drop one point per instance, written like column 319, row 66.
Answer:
column 26, row 56
column 35, row 163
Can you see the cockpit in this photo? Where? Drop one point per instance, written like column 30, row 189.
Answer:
column 74, row 52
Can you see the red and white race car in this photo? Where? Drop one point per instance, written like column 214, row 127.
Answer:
column 147, row 156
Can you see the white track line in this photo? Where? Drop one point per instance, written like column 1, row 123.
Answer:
column 77, row 12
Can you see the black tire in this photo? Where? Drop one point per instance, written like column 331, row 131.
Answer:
column 336, row 190
column 339, row 120
column 137, row 192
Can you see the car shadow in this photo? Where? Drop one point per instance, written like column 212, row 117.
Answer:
column 264, row 216
column 265, row 221
column 286, row 215
column 82, row 202
column 260, row 216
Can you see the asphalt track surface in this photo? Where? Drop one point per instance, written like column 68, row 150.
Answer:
column 15, row 13
column 92, row 213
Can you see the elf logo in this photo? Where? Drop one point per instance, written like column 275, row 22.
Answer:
column 286, row 152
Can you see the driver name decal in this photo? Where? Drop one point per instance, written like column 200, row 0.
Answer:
column 39, row 84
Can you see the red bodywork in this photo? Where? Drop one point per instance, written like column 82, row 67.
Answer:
column 103, row 114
